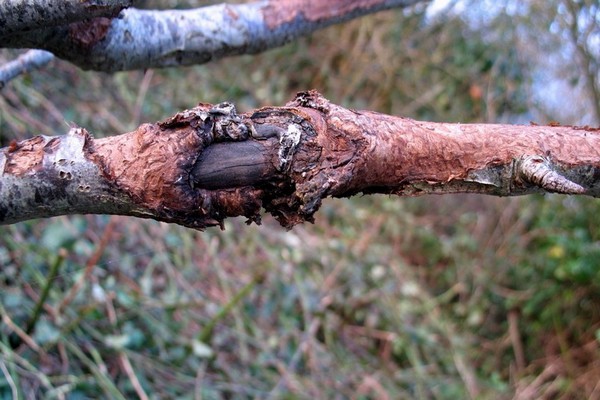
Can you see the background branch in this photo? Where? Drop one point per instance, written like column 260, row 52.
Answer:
column 26, row 62
column 141, row 39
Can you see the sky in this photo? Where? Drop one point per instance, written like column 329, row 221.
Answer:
column 550, row 86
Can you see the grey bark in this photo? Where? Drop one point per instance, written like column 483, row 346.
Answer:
column 67, row 183
column 19, row 16
column 149, row 39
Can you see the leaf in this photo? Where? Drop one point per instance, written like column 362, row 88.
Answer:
column 201, row 349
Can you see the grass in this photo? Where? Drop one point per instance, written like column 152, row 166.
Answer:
column 382, row 298
column 415, row 306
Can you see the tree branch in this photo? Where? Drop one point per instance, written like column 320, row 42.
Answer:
column 20, row 16
column 140, row 39
column 208, row 163
column 24, row 63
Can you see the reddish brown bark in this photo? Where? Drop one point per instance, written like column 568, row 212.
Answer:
column 208, row 163
column 278, row 13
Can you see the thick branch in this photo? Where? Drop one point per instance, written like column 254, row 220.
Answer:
column 208, row 163
column 148, row 39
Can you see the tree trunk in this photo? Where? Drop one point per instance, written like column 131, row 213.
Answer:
column 208, row 163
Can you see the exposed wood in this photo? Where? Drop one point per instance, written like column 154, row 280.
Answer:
column 208, row 163
column 224, row 165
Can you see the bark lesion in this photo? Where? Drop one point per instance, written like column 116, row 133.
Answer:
column 205, row 164
column 208, row 163
column 22, row 157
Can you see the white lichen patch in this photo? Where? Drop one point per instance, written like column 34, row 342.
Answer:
column 70, row 151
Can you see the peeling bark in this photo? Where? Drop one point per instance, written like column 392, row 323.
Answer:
column 208, row 163
column 140, row 39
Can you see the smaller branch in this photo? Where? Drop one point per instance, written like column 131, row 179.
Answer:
column 32, row 59
column 539, row 171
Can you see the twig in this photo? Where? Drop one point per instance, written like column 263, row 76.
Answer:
column 24, row 63
column 18, row 331
column 132, row 377
column 9, row 380
column 207, row 163
column 515, row 339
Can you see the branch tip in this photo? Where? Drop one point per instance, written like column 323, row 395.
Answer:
column 539, row 171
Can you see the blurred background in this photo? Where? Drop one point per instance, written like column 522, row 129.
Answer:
column 440, row 297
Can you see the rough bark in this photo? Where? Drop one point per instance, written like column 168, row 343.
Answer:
column 20, row 16
column 208, row 163
column 140, row 39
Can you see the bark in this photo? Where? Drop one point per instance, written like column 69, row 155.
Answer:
column 140, row 39
column 19, row 16
column 208, row 163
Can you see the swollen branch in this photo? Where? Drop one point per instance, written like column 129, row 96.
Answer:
column 208, row 163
